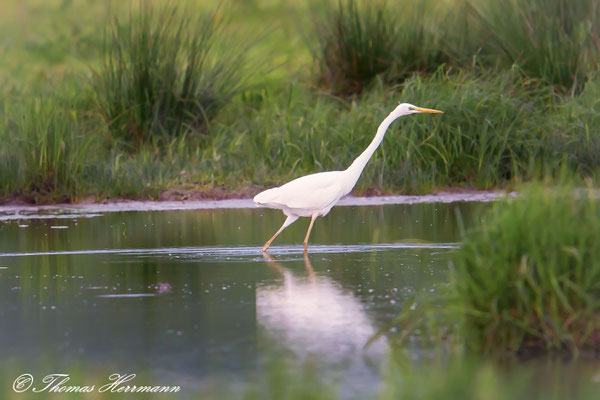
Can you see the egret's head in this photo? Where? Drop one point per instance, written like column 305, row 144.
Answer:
column 406, row 109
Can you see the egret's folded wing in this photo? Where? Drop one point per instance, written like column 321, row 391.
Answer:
column 311, row 192
column 314, row 199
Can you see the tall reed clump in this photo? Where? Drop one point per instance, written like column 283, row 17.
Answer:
column 45, row 151
column 557, row 40
column 8, row 160
column 164, row 74
column 578, row 125
column 528, row 278
column 355, row 44
column 361, row 40
column 420, row 46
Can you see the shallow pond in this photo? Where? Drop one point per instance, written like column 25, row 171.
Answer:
column 187, row 296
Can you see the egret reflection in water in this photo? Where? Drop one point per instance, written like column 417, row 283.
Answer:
column 314, row 315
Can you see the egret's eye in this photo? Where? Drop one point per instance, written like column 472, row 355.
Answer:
column 411, row 108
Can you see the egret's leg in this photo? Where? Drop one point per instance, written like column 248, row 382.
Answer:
column 312, row 221
column 286, row 223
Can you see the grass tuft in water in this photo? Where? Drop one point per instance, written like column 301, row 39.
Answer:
column 527, row 277
column 164, row 74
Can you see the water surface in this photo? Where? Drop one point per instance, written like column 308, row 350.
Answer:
column 187, row 295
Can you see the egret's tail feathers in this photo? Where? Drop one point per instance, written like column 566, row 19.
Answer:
column 264, row 198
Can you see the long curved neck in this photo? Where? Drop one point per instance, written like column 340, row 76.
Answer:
column 357, row 166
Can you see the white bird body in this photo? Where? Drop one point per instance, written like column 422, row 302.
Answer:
column 321, row 191
column 315, row 194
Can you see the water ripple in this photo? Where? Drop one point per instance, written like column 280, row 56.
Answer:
column 243, row 251
column 126, row 295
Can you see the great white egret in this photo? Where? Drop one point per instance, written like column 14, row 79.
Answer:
column 315, row 194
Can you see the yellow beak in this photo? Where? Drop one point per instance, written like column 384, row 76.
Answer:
column 428, row 110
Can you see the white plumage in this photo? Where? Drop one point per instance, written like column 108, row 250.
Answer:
column 319, row 191
column 314, row 195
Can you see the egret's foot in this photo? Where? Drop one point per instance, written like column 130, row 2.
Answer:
column 265, row 247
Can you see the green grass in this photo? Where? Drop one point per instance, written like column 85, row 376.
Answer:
column 496, row 129
column 45, row 151
column 526, row 280
column 150, row 129
column 555, row 40
column 162, row 75
column 356, row 42
column 579, row 135
column 165, row 109
column 420, row 46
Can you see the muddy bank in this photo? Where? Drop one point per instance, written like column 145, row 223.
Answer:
column 217, row 193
